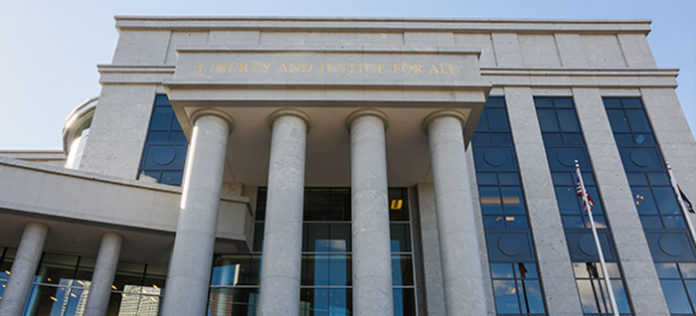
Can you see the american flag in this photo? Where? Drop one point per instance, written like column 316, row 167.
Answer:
column 578, row 190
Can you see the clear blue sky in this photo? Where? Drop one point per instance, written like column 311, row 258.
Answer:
column 49, row 49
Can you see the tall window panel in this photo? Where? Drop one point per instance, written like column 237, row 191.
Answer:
column 664, row 225
column 326, row 280
column 509, row 241
column 164, row 154
column 62, row 283
column 564, row 144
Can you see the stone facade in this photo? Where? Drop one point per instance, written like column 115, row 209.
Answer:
column 288, row 103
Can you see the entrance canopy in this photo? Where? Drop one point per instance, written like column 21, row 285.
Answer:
column 327, row 84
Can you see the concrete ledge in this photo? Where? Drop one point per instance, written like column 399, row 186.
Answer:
column 34, row 189
column 581, row 77
column 33, row 154
column 295, row 24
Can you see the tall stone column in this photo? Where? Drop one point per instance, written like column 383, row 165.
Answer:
column 459, row 249
column 372, row 273
column 23, row 268
column 188, row 277
column 282, row 242
column 103, row 276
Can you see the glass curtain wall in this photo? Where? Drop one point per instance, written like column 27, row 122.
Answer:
column 664, row 225
column 511, row 253
column 564, row 144
column 326, row 287
column 61, row 286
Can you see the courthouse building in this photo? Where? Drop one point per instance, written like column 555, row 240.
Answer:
column 334, row 166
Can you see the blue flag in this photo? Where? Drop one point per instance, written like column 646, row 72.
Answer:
column 688, row 204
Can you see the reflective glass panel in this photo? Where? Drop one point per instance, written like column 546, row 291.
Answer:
column 404, row 302
column 676, row 297
column 402, row 270
column 506, row 300
column 233, row 301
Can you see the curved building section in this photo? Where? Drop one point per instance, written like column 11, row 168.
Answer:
column 76, row 131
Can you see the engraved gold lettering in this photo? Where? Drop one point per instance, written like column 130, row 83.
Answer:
column 443, row 70
column 256, row 67
column 451, row 69
column 370, row 68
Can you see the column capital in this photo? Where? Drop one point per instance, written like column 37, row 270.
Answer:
column 292, row 112
column 214, row 112
column 37, row 225
column 443, row 113
column 366, row 112
column 112, row 234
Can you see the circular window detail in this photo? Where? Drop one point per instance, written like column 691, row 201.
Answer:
column 566, row 158
column 641, row 157
column 495, row 157
column 671, row 245
column 163, row 156
column 511, row 246
column 587, row 245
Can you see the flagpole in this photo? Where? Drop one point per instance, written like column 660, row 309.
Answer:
column 588, row 209
column 692, row 232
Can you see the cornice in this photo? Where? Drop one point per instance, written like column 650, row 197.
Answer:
column 345, row 24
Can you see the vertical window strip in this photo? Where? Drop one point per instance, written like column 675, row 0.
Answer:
column 564, row 143
column 164, row 153
column 514, row 274
column 663, row 222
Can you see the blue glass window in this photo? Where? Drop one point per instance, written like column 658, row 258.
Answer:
column 679, row 286
column 508, row 236
column 517, row 289
column 593, row 288
column 670, row 244
column 564, row 145
column 164, row 154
